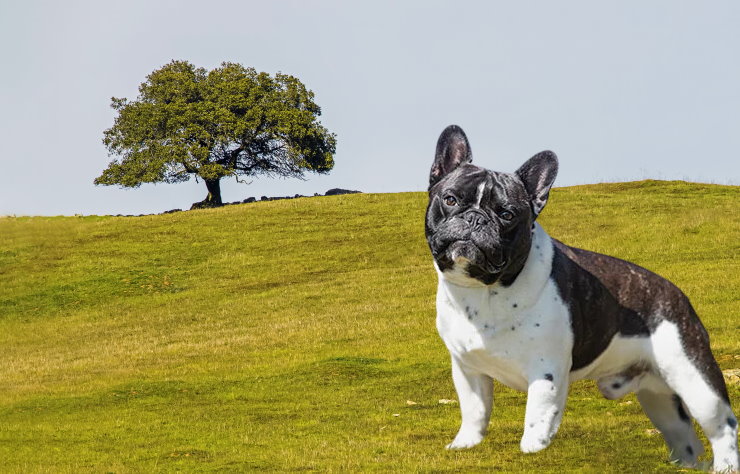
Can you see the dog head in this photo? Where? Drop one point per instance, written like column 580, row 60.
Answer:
column 479, row 222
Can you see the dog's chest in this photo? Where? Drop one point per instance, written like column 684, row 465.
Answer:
column 504, row 333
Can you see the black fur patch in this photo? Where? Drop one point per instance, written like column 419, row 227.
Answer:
column 609, row 296
column 548, row 377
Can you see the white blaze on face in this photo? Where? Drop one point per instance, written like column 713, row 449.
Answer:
column 481, row 188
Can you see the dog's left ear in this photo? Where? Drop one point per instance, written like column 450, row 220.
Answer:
column 538, row 174
column 453, row 149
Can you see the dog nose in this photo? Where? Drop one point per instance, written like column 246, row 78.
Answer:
column 475, row 219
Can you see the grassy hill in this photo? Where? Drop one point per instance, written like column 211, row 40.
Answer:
column 299, row 335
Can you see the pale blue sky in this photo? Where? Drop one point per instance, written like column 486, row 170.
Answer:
column 620, row 90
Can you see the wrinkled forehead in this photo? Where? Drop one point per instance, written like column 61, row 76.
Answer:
column 475, row 184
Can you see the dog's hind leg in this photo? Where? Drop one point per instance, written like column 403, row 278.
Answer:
column 698, row 382
column 667, row 412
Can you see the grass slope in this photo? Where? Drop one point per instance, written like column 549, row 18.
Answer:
column 299, row 335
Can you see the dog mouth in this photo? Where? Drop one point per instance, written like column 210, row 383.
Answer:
column 468, row 254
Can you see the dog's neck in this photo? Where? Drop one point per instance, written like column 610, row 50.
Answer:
column 527, row 286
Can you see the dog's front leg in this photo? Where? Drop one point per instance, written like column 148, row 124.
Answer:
column 475, row 393
column 546, row 397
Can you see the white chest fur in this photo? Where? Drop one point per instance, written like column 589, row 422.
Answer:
column 508, row 333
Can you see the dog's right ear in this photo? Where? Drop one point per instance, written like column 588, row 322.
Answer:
column 537, row 175
column 453, row 149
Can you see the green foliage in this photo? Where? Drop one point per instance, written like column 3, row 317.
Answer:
column 292, row 335
column 231, row 121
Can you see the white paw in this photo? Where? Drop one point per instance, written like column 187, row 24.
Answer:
column 533, row 443
column 726, row 458
column 465, row 440
column 725, row 466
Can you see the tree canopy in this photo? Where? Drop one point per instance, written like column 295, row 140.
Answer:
column 230, row 121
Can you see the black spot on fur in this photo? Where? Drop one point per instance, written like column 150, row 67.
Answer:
column 690, row 450
column 536, row 325
column 548, row 376
column 514, row 305
column 732, row 422
column 513, row 328
column 679, row 407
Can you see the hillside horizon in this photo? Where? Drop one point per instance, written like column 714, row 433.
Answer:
column 617, row 185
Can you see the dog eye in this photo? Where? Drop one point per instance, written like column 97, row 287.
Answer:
column 450, row 201
column 506, row 215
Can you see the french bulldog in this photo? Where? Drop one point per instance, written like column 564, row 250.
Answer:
column 517, row 306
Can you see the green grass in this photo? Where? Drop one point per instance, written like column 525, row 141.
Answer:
column 299, row 335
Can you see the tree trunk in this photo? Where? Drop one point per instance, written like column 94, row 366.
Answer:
column 214, row 195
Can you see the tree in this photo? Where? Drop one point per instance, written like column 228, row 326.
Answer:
column 231, row 121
